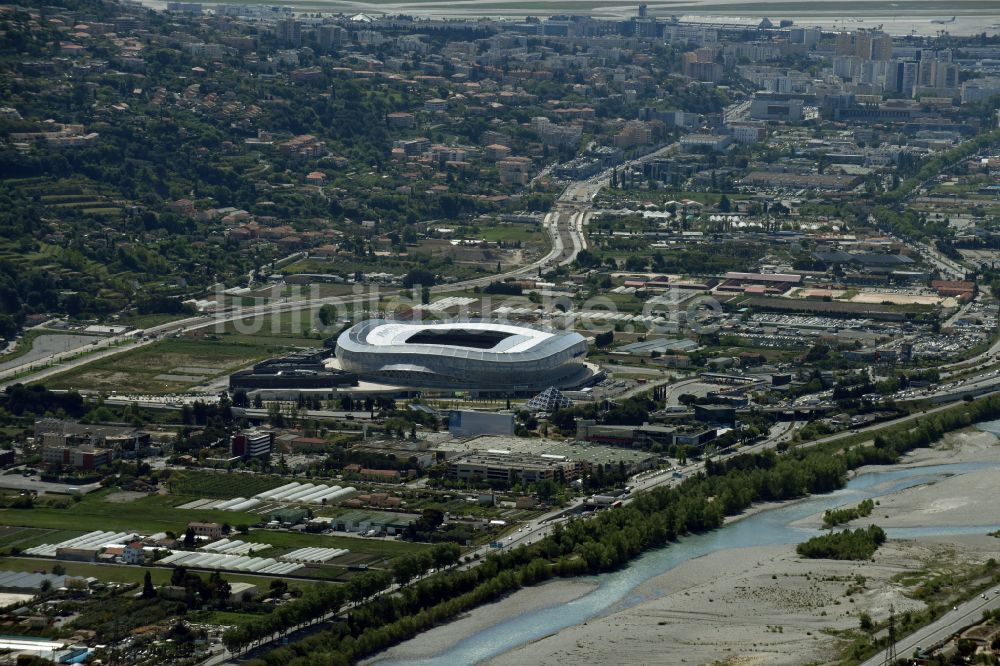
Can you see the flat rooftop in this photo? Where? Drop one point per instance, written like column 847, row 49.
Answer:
column 567, row 450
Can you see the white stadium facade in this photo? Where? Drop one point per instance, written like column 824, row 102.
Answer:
column 484, row 357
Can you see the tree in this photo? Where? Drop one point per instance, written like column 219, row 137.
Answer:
column 274, row 415
column 418, row 276
column 433, row 518
column 148, row 591
column 189, row 538
column 327, row 315
column 545, row 488
column 178, row 576
column 240, row 398
column 724, row 205
column 220, row 589
column 865, row 622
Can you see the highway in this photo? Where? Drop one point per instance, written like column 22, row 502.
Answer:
column 565, row 226
column 946, row 626
column 543, row 525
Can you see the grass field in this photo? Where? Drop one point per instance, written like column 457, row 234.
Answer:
column 527, row 234
column 380, row 548
column 28, row 537
column 287, row 328
column 224, row 618
column 116, row 573
column 148, row 515
column 223, row 486
column 157, row 368
column 24, row 528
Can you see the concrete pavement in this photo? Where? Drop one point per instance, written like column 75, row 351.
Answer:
column 946, row 626
column 19, row 482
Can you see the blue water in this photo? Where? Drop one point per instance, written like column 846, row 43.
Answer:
column 625, row 588
column 992, row 427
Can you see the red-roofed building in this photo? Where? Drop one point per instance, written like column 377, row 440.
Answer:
column 759, row 283
column 959, row 288
column 379, row 474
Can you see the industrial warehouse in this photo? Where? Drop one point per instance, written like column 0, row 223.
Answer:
column 304, row 369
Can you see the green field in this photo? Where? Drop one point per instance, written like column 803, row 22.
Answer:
column 223, row 486
column 372, row 552
column 116, row 573
column 373, row 547
column 225, row 618
column 527, row 234
column 28, row 537
column 160, row 367
column 148, row 515
column 24, row 528
column 285, row 328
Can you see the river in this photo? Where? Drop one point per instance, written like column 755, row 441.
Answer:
column 625, row 588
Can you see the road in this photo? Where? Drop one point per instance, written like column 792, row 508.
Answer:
column 950, row 269
column 48, row 344
column 68, row 358
column 565, row 226
column 676, row 390
column 943, row 628
column 737, row 112
column 543, row 525
column 20, row 482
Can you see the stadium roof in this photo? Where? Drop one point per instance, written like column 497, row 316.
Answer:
column 509, row 338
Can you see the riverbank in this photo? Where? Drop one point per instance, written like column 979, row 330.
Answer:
column 956, row 501
column 548, row 595
column 759, row 604
column 765, row 605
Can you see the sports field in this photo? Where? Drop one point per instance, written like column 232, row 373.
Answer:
column 903, row 299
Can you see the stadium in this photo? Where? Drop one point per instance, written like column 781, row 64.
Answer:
column 485, row 357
